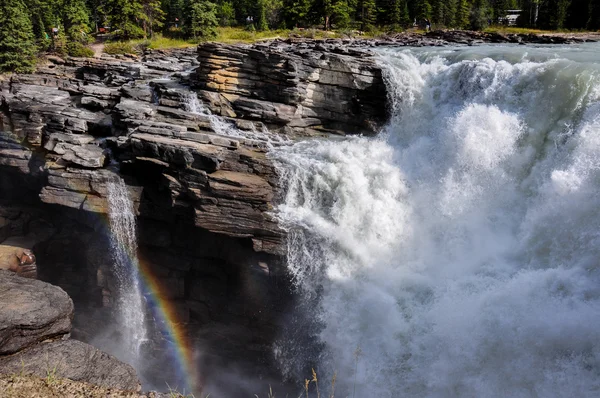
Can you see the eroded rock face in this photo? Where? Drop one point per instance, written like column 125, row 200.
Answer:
column 32, row 311
column 304, row 89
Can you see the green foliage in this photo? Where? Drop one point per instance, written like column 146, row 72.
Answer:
column 17, row 48
column 274, row 13
column 76, row 49
column 341, row 14
column 201, row 22
column 424, row 10
column 594, row 21
column 262, row 16
column 119, row 48
column 368, row 14
column 553, row 15
column 226, row 13
column 123, row 17
column 480, row 14
column 463, row 10
column 76, row 20
column 26, row 25
column 297, row 13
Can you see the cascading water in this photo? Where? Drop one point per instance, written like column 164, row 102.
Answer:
column 130, row 301
column 220, row 126
column 460, row 250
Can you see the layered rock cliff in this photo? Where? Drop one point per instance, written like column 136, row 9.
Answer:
column 204, row 188
column 304, row 88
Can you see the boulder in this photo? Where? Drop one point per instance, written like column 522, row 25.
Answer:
column 32, row 311
column 72, row 359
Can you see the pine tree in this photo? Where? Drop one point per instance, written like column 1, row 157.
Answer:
column 296, row 12
column 368, row 14
column 423, row 10
column 404, row 15
column 398, row 10
column 438, row 10
column 480, row 14
column 341, row 14
column 594, row 21
column 123, row 16
column 263, row 25
column 152, row 17
column 226, row 13
column 76, row 20
column 17, row 48
column 201, row 21
column 463, row 10
column 450, row 12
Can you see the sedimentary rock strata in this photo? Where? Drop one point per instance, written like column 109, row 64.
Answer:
column 304, row 88
column 204, row 198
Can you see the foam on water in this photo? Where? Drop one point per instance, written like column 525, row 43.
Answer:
column 460, row 250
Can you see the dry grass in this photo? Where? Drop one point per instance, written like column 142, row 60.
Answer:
column 18, row 386
column 515, row 30
column 239, row 35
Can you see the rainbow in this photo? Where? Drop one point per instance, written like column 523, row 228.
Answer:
column 166, row 320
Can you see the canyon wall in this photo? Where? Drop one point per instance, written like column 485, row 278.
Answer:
column 204, row 198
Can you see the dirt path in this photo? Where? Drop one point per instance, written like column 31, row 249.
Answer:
column 98, row 49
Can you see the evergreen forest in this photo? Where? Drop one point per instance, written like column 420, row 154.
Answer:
column 31, row 26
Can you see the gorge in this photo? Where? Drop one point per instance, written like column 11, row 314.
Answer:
column 421, row 221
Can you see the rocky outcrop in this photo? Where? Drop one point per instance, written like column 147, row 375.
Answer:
column 74, row 360
column 35, row 322
column 302, row 89
column 202, row 185
column 32, row 311
column 68, row 122
column 69, row 128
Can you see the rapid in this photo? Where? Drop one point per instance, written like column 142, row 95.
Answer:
column 456, row 254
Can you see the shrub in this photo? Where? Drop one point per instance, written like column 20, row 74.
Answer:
column 76, row 49
column 119, row 47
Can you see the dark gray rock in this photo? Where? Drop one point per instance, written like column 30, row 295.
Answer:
column 72, row 359
column 32, row 311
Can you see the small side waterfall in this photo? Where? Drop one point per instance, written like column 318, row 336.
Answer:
column 123, row 240
column 194, row 105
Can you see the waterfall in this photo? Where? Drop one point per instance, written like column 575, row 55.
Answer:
column 459, row 250
column 129, row 299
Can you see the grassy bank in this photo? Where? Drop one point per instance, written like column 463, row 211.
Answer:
column 228, row 35
column 232, row 35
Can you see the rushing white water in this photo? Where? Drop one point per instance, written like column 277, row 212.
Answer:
column 460, row 250
column 130, row 301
